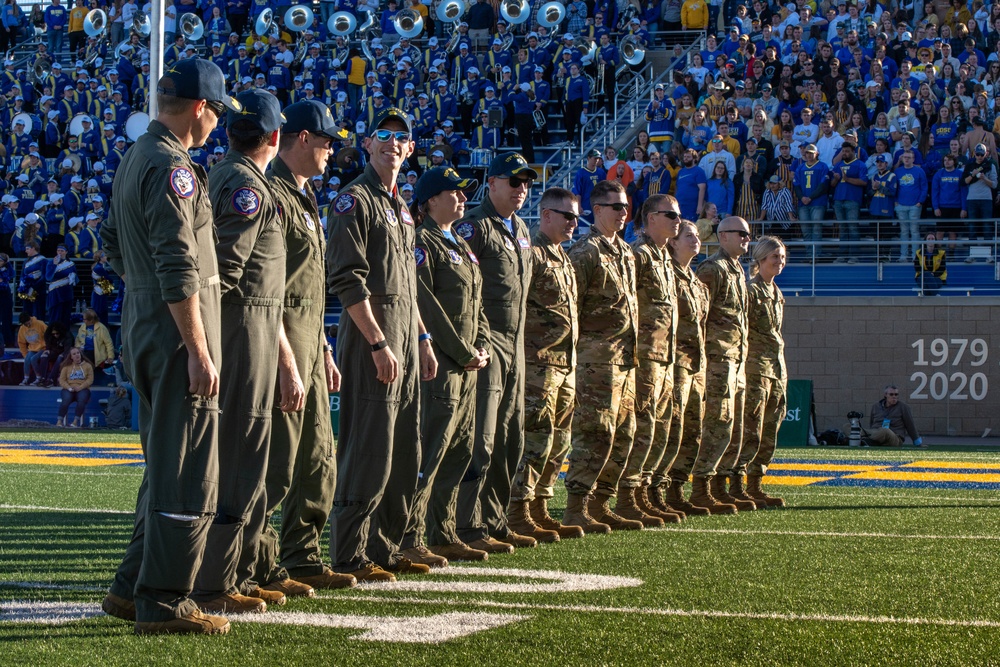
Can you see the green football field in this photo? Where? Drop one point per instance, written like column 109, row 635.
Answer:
column 880, row 558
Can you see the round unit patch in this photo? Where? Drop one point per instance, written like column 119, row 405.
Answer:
column 421, row 255
column 246, row 201
column 182, row 181
column 466, row 230
column 345, row 203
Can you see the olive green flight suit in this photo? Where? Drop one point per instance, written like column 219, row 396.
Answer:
column 450, row 297
column 767, row 376
column 725, row 376
column 160, row 237
column 684, row 440
column 608, row 314
column 370, row 256
column 550, row 334
column 251, row 255
column 301, row 468
column 505, row 260
column 654, row 378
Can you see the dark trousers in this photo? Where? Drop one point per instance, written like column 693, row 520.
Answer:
column 7, row 318
column 81, row 397
column 571, row 118
column 525, row 126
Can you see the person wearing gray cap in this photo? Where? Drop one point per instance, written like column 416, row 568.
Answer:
column 386, row 351
column 251, row 256
column 171, row 327
column 301, row 470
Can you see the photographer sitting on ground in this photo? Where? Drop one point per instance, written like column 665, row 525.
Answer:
column 891, row 421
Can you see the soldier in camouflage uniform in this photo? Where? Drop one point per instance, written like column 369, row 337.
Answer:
column 608, row 315
column 766, row 372
column 550, row 334
column 672, row 469
column 654, row 379
column 725, row 377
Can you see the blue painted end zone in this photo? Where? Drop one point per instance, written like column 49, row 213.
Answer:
column 911, row 484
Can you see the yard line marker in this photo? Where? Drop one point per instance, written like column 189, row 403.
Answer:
column 693, row 613
column 43, row 508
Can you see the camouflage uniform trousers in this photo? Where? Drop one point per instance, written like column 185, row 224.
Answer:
column 684, row 441
column 765, row 409
column 654, row 388
column 722, row 426
column 605, row 419
column 549, row 397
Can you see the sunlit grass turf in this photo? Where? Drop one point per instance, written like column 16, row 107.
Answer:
column 875, row 558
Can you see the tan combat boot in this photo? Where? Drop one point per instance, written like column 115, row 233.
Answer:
column 422, row 554
column 577, row 515
column 701, row 496
column 628, row 507
column 195, row 623
column 520, row 522
column 291, row 588
column 270, row 597
column 674, row 499
column 118, row 607
column 718, row 485
column 233, row 603
column 598, row 508
column 646, row 504
column 538, row 508
column 756, row 491
column 459, row 551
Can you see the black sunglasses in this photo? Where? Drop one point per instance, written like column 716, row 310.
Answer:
column 743, row 234
column 670, row 214
column 218, row 108
column 569, row 215
column 618, row 206
column 516, row 182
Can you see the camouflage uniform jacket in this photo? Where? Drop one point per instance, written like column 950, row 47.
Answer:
column 692, row 310
column 450, row 294
column 657, row 296
column 551, row 329
column 607, row 306
column 727, row 317
column 765, row 312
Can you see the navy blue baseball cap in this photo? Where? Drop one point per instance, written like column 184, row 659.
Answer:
column 312, row 116
column 511, row 164
column 196, row 79
column 391, row 113
column 259, row 107
column 438, row 180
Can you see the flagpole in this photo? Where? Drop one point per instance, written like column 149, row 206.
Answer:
column 155, row 53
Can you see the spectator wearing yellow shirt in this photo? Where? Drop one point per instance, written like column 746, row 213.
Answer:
column 31, row 341
column 694, row 14
column 77, row 37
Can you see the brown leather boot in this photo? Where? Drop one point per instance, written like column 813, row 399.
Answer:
column 519, row 521
column 718, row 485
column 646, row 504
column 756, row 491
column 628, row 507
column 598, row 508
column 673, row 497
column 539, row 511
column 576, row 515
column 701, row 496
column 518, row 541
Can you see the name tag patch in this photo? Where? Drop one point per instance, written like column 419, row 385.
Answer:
column 473, row 258
column 524, row 243
column 407, row 220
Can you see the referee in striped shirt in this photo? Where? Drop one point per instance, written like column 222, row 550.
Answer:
column 777, row 204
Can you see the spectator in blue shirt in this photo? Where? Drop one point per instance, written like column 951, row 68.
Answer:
column 848, row 178
column 811, row 182
column 909, row 202
column 948, row 198
column 691, row 185
column 720, row 190
column 56, row 18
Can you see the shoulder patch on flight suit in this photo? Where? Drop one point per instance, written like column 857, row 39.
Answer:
column 182, row 181
column 246, row 201
column 345, row 203
column 455, row 257
column 421, row 256
column 466, row 230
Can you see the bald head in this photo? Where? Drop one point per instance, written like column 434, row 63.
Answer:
column 734, row 236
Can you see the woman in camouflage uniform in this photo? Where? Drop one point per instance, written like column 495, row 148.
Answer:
column 766, row 372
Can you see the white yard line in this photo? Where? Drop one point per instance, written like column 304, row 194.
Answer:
column 692, row 613
column 43, row 508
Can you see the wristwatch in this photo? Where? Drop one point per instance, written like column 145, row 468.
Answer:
column 424, row 336
column 382, row 344
column 328, row 348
